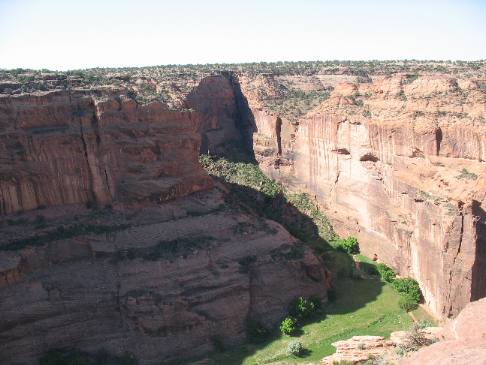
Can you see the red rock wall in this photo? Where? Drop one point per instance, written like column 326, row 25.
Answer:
column 62, row 148
column 214, row 98
column 162, row 281
column 391, row 176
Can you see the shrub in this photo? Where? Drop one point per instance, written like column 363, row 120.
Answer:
column 413, row 341
column 465, row 174
column 424, row 324
column 408, row 287
column 295, row 348
column 303, row 308
column 288, row 326
column 349, row 245
column 407, row 303
column 256, row 332
column 386, row 273
column 132, row 94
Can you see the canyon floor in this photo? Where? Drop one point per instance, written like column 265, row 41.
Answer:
column 362, row 307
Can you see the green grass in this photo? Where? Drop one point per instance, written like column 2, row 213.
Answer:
column 362, row 307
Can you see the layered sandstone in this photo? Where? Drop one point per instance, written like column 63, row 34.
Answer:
column 398, row 161
column 163, row 282
column 110, row 239
column 78, row 147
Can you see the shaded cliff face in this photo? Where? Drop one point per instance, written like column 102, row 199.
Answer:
column 398, row 161
column 162, row 282
column 66, row 148
column 214, row 98
column 159, row 264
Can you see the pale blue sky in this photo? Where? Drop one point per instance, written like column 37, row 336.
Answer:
column 64, row 34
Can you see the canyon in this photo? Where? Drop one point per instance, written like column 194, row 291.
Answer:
column 399, row 162
column 114, row 237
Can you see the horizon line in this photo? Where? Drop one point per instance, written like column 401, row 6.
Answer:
column 480, row 60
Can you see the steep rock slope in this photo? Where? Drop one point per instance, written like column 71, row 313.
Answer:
column 77, row 147
column 164, row 282
column 397, row 160
column 102, row 247
column 214, row 98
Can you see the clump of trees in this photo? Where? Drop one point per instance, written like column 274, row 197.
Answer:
column 408, row 288
column 300, row 310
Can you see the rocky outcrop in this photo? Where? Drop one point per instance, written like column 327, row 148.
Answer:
column 118, row 244
column 163, row 282
column 358, row 349
column 397, row 161
column 82, row 147
column 214, row 98
column 464, row 343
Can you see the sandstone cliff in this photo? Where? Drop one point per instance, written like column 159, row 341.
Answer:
column 164, row 282
column 79, row 147
column 398, row 161
column 102, row 248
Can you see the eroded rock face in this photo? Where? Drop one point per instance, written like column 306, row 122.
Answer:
column 399, row 162
column 151, row 270
column 79, row 147
column 165, row 282
column 358, row 349
column 214, row 98
column 465, row 342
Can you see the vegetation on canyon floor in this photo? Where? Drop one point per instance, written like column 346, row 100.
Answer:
column 365, row 298
column 409, row 289
column 361, row 307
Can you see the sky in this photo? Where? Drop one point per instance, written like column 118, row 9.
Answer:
column 65, row 34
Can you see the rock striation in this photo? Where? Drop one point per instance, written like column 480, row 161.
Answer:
column 398, row 161
column 165, row 282
column 396, row 157
column 114, row 238
column 78, row 147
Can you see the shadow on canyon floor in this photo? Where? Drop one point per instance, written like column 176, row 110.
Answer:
column 355, row 285
column 260, row 196
column 337, row 321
